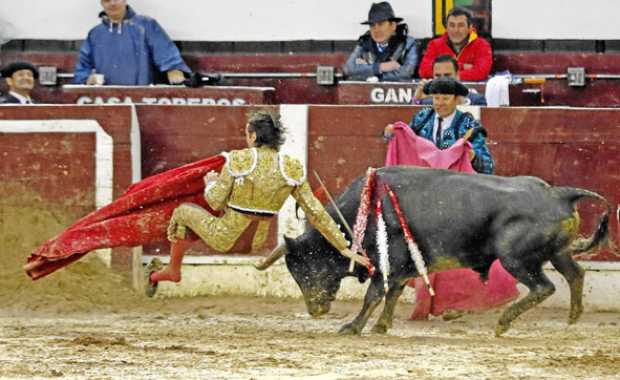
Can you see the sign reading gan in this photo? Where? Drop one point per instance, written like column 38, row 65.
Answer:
column 391, row 95
column 160, row 100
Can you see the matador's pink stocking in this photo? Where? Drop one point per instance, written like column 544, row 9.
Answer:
column 173, row 271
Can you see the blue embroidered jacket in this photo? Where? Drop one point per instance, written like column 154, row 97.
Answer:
column 422, row 125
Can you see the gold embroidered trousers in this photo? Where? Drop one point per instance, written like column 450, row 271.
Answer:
column 220, row 233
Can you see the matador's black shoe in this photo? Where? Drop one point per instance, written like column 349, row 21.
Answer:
column 153, row 266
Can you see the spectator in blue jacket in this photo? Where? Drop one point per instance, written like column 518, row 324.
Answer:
column 386, row 51
column 127, row 49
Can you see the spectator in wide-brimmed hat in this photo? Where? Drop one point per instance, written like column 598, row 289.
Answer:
column 20, row 78
column 444, row 124
column 386, row 52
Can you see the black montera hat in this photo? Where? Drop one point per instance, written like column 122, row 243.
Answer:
column 11, row 68
column 446, row 86
column 380, row 12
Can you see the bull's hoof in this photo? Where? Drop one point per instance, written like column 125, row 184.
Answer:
column 349, row 329
column 501, row 328
column 379, row 328
column 574, row 315
column 451, row 315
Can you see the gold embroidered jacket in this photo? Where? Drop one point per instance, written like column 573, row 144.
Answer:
column 260, row 179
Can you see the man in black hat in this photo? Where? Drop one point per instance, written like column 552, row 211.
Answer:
column 386, row 52
column 444, row 124
column 20, row 77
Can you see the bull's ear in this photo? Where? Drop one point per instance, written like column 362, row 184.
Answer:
column 291, row 244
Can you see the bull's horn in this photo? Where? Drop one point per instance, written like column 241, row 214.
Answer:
column 266, row 262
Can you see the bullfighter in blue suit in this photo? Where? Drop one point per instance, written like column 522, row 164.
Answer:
column 444, row 124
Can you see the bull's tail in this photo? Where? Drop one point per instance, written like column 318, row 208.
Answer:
column 573, row 194
column 600, row 237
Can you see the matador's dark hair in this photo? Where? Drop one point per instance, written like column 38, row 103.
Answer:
column 268, row 128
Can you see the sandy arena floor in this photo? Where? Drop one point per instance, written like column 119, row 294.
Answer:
column 83, row 322
column 251, row 338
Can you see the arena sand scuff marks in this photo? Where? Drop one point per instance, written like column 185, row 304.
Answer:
column 26, row 221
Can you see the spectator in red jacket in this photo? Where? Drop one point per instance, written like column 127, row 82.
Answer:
column 461, row 41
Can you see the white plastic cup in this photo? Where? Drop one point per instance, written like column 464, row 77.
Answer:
column 99, row 79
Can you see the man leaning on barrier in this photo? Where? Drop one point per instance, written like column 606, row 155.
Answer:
column 127, row 49
column 445, row 66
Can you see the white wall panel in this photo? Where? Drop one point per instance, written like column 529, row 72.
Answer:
column 556, row 19
column 200, row 20
column 288, row 20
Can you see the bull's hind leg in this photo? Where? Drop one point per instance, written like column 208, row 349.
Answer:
column 373, row 297
column 384, row 323
column 574, row 275
column 540, row 288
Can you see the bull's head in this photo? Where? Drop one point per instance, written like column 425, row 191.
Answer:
column 316, row 267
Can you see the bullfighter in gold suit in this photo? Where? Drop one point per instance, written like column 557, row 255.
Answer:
column 250, row 190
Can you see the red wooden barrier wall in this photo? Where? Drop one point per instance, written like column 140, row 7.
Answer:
column 577, row 147
column 59, row 168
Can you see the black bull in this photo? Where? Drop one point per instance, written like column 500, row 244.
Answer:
column 458, row 220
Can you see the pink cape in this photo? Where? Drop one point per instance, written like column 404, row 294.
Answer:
column 457, row 289
column 139, row 216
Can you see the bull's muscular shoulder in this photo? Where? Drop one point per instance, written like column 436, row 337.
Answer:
column 292, row 170
column 241, row 162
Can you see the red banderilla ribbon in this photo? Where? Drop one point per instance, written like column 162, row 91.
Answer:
column 414, row 251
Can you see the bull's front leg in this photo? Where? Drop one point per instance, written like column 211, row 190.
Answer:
column 373, row 297
column 384, row 323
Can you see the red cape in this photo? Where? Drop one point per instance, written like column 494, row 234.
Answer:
column 139, row 216
column 457, row 289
